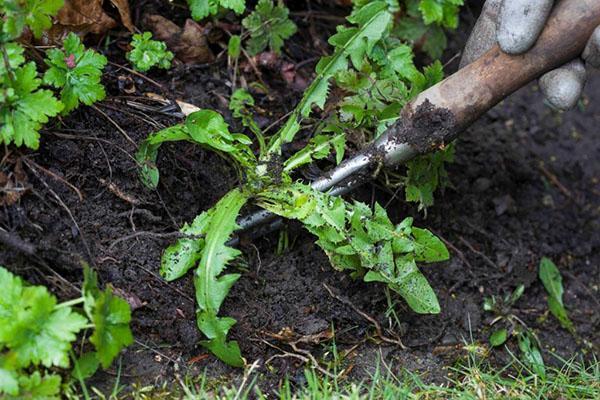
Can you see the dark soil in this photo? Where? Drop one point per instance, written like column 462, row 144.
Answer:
column 525, row 184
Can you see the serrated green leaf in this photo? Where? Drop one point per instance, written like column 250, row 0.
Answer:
column 36, row 14
column 200, row 9
column 147, row 53
column 353, row 43
column 38, row 387
column 355, row 238
column 269, row 26
column 9, row 383
column 111, row 316
column 498, row 338
column 41, row 333
column 11, row 291
column 26, row 108
column 425, row 174
column 183, row 255
column 318, row 148
column 432, row 10
column 77, row 72
column 14, row 54
column 211, row 285
column 89, row 290
column 238, row 6
column 401, row 60
column 435, row 42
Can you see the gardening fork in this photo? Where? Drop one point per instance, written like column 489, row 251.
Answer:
column 437, row 115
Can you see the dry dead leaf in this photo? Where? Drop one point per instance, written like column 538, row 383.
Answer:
column 123, row 7
column 13, row 185
column 131, row 298
column 187, row 108
column 87, row 16
column 190, row 43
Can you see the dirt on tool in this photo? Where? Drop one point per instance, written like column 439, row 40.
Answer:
column 525, row 184
column 426, row 128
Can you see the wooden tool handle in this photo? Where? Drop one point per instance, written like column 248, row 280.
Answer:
column 459, row 100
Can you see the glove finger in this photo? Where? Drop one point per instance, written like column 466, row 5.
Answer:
column 483, row 35
column 520, row 23
column 591, row 54
column 562, row 87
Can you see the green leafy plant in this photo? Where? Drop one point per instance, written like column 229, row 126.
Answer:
column 425, row 174
column 269, row 26
column 425, row 21
column 356, row 238
column 513, row 326
column 351, row 45
column 552, row 281
column 37, row 333
column 77, row 72
column 201, row 9
column 24, row 106
column 376, row 91
column 147, row 53
column 17, row 14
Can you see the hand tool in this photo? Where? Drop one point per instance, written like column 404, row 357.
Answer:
column 437, row 115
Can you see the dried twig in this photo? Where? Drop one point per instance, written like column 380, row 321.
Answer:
column 366, row 316
column 57, row 177
column 114, row 123
column 305, row 357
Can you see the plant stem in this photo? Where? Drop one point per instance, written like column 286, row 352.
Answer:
column 9, row 71
column 70, row 303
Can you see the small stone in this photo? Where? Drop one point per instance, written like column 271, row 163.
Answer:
column 503, row 204
column 482, row 184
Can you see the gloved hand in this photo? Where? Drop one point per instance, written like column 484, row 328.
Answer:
column 515, row 25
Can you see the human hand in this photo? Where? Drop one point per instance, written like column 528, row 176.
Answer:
column 515, row 25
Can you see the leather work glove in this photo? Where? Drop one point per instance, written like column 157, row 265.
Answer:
column 515, row 25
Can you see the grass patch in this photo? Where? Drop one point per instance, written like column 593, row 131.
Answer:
column 473, row 379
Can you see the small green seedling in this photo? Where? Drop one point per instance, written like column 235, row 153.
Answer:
column 269, row 26
column 201, row 9
column 513, row 326
column 552, row 281
column 147, row 53
column 77, row 72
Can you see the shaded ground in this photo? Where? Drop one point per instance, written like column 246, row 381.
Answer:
column 525, row 184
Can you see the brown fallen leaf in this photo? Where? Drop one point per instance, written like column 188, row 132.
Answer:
column 122, row 7
column 132, row 299
column 190, row 43
column 87, row 16
column 13, row 185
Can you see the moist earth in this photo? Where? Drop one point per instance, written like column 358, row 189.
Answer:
column 525, row 184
